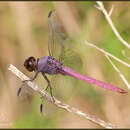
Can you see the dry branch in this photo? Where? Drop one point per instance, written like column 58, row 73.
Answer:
column 106, row 53
column 58, row 103
column 101, row 8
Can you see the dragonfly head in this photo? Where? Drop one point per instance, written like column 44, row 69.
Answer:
column 30, row 64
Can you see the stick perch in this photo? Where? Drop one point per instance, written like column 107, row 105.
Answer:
column 58, row 103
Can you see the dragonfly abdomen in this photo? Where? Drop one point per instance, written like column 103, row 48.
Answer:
column 70, row 72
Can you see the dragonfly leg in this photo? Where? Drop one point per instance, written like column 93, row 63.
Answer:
column 34, row 77
column 48, row 86
column 19, row 89
column 51, row 93
column 41, row 105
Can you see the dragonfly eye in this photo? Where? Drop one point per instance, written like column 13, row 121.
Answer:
column 30, row 64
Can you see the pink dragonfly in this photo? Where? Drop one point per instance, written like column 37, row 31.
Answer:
column 50, row 65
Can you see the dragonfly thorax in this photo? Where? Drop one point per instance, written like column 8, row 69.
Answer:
column 49, row 64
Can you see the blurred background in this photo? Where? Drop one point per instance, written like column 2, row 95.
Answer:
column 24, row 32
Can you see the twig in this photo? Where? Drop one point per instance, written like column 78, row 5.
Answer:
column 106, row 53
column 118, row 71
column 111, row 10
column 101, row 8
column 124, row 54
column 58, row 103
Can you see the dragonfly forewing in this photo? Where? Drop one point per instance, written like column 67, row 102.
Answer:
column 57, row 36
column 60, row 46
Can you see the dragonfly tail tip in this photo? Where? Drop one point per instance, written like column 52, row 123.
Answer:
column 123, row 92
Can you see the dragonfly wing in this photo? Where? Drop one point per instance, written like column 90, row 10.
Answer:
column 72, row 58
column 25, row 92
column 56, row 36
column 60, row 46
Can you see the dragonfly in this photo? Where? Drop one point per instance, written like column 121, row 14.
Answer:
column 52, row 65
